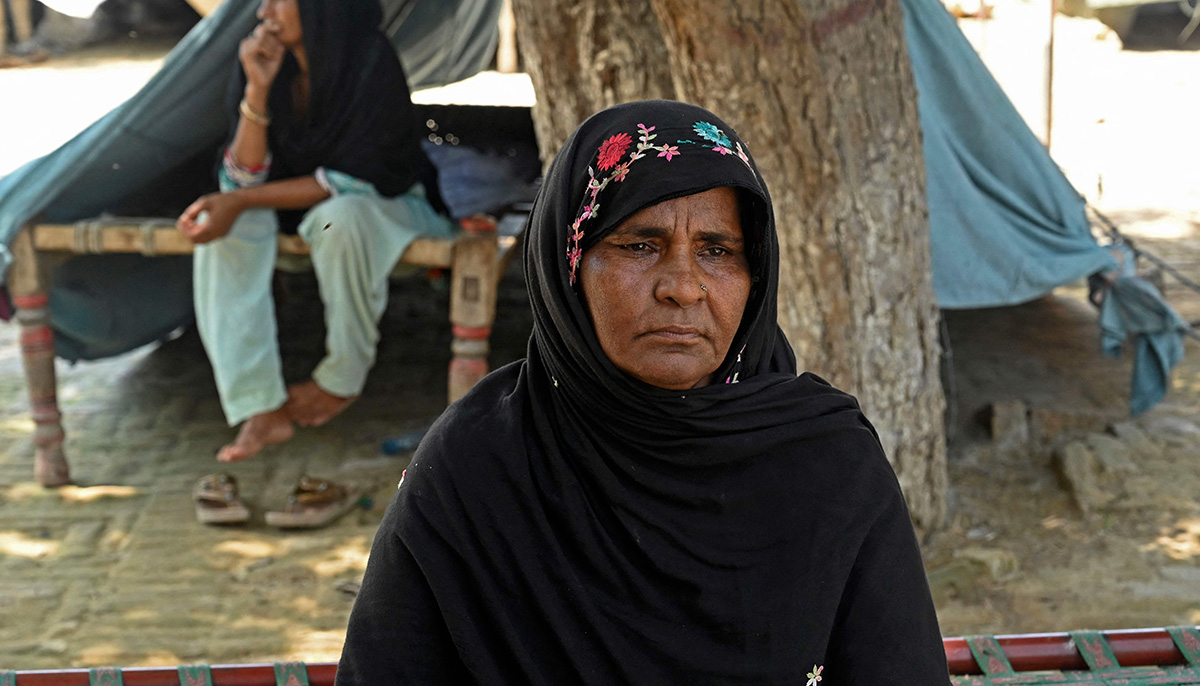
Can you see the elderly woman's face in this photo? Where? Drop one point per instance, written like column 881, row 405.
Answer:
column 667, row 288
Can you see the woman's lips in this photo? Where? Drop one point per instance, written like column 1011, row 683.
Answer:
column 676, row 333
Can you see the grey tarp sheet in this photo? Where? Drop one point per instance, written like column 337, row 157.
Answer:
column 1006, row 226
column 101, row 305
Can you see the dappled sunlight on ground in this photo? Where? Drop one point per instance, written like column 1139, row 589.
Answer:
column 316, row 646
column 86, row 494
column 17, row 425
column 351, row 557
column 159, row 658
column 69, row 494
column 17, row 544
column 1180, row 541
column 247, row 549
column 102, row 653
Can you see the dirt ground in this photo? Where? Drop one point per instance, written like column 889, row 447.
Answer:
column 1019, row 554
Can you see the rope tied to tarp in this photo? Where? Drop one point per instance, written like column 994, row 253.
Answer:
column 1114, row 234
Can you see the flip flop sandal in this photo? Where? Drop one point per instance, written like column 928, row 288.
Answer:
column 216, row 498
column 315, row 503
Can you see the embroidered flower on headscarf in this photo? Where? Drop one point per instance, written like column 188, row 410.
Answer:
column 815, row 676
column 620, row 172
column 612, row 149
column 710, row 132
column 669, row 151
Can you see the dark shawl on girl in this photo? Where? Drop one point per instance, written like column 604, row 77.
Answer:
column 360, row 119
column 565, row 523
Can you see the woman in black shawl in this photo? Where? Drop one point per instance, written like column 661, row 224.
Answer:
column 653, row 496
column 324, row 142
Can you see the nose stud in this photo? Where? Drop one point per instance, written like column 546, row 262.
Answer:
column 704, row 288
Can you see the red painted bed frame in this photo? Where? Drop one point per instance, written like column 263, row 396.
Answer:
column 1024, row 652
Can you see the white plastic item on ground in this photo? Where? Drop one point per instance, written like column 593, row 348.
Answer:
column 74, row 8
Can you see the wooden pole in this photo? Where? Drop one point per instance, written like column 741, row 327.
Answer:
column 506, row 49
column 22, row 19
column 3, row 30
column 1050, row 76
column 472, row 303
column 31, row 297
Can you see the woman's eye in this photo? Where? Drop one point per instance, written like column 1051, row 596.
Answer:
column 716, row 251
column 636, row 247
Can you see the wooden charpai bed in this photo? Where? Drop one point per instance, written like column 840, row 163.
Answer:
column 1137, row 657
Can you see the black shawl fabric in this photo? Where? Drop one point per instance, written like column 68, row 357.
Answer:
column 567, row 524
column 360, row 119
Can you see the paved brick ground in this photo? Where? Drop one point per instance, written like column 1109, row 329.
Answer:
column 115, row 569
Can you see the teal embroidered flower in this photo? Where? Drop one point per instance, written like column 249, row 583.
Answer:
column 710, row 132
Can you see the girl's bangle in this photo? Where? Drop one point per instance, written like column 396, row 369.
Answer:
column 249, row 113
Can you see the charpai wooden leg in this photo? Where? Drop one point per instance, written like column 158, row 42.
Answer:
column 472, row 303
column 30, row 297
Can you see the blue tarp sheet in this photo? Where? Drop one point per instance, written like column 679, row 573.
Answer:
column 1006, row 226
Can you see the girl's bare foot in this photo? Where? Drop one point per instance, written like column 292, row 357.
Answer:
column 257, row 433
column 310, row 405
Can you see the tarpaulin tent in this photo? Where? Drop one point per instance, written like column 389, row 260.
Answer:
column 1006, row 226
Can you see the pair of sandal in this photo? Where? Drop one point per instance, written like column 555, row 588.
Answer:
column 313, row 503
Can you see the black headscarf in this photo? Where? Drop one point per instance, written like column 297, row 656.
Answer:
column 360, row 118
column 565, row 523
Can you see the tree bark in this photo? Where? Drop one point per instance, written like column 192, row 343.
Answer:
column 586, row 55
column 823, row 93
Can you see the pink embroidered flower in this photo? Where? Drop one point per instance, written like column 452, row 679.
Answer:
column 814, row 677
column 612, row 149
column 646, row 129
column 620, row 172
column 573, row 255
column 587, row 212
column 669, row 151
column 721, row 149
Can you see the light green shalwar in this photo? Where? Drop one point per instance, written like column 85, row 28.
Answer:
column 356, row 236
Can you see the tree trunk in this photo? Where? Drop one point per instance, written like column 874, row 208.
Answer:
column 823, row 93
column 586, row 55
